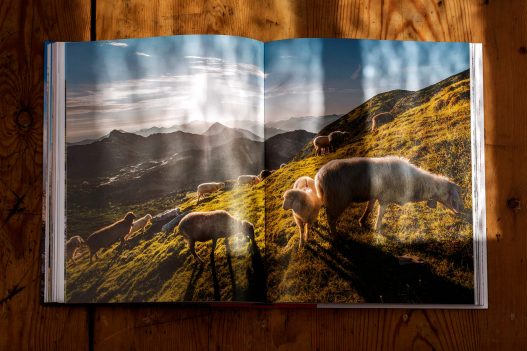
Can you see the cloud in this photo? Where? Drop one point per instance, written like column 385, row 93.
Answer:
column 118, row 44
column 139, row 53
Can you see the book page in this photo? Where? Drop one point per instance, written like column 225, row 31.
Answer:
column 370, row 198
column 164, row 142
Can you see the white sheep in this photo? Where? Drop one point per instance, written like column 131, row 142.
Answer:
column 386, row 180
column 212, row 225
column 305, row 206
column 139, row 224
column 208, row 188
column 72, row 246
column 248, row 179
column 321, row 144
column 305, row 183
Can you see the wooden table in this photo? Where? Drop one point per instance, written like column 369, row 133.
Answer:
column 25, row 323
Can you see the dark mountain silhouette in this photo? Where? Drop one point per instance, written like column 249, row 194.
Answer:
column 309, row 123
column 282, row 147
column 106, row 157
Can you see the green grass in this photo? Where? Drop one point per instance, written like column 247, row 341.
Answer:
column 357, row 265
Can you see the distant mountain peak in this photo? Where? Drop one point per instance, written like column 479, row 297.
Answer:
column 216, row 128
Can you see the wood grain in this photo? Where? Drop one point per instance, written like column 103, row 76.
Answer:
column 500, row 25
column 24, row 322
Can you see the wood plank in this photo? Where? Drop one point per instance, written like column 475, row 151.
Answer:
column 501, row 27
column 140, row 328
column 24, row 322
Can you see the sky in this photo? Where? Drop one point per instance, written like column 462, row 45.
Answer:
column 141, row 83
column 316, row 77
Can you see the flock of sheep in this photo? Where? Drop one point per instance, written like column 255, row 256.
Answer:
column 336, row 186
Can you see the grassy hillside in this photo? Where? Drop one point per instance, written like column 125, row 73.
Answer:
column 425, row 255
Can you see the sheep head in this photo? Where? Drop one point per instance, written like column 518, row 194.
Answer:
column 248, row 229
column 130, row 217
column 451, row 198
column 289, row 200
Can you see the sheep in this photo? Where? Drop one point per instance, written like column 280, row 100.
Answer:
column 106, row 236
column 385, row 179
column 381, row 119
column 336, row 139
column 264, row 174
column 208, row 188
column 321, row 144
column 139, row 224
column 305, row 206
column 72, row 246
column 248, row 179
column 212, row 225
column 305, row 183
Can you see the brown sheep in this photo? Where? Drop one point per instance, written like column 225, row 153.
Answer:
column 264, row 174
column 336, row 139
column 321, row 144
column 386, row 180
column 305, row 206
column 106, row 236
column 212, row 225
column 381, row 119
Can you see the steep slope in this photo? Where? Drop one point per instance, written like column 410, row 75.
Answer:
column 357, row 265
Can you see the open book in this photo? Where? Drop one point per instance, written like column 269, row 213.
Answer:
column 202, row 168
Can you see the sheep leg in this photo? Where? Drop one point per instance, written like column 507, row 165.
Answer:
column 300, row 226
column 192, row 248
column 306, row 230
column 214, row 242
column 367, row 211
column 198, row 199
column 332, row 221
column 380, row 214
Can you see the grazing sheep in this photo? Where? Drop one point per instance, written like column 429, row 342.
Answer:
column 381, row 119
column 305, row 183
column 212, row 225
column 139, row 224
column 305, row 206
column 72, row 246
column 336, row 139
column 264, row 174
column 248, row 179
column 321, row 144
column 209, row 188
column 386, row 180
column 106, row 236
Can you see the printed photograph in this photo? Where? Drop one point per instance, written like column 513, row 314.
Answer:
column 319, row 171
column 164, row 145
column 375, row 206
